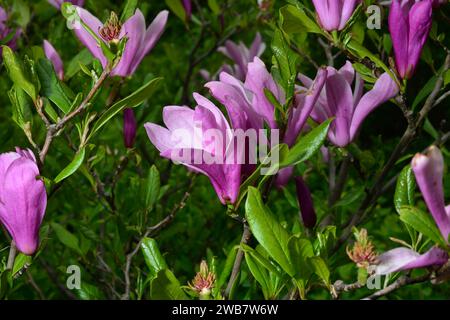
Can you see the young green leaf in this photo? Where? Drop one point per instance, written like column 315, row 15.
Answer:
column 72, row 167
column 16, row 72
column 152, row 189
column 421, row 222
column 267, row 230
column 153, row 257
column 133, row 100
column 404, row 191
column 51, row 86
column 67, row 238
column 307, row 145
column 166, row 287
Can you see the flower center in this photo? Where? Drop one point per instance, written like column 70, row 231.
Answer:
column 111, row 29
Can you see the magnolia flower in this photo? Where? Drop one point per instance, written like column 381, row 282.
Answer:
column 409, row 25
column 428, row 169
column 6, row 32
column 241, row 56
column 23, row 199
column 139, row 40
column 363, row 252
column 436, row 3
column 203, row 282
column 187, row 5
column 349, row 108
column 129, row 127
column 54, row 57
column 57, row 3
column 247, row 103
column 334, row 14
column 305, row 203
column 201, row 139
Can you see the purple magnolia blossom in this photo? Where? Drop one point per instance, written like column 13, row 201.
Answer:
column 436, row 3
column 129, row 127
column 349, row 108
column 54, row 57
column 334, row 14
column 305, row 203
column 241, row 56
column 57, row 3
column 187, row 5
column 409, row 25
column 23, row 198
column 400, row 259
column 248, row 104
column 429, row 170
column 5, row 30
column 187, row 140
column 140, row 41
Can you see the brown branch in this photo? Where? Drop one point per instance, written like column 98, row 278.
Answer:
column 399, row 283
column 53, row 129
column 405, row 141
column 149, row 232
column 246, row 235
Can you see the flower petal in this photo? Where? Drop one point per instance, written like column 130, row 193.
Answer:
column 54, row 57
column 429, row 170
column 85, row 37
column 134, row 30
column 405, row 259
column 384, row 89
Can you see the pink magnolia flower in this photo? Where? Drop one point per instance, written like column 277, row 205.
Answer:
column 241, row 55
column 54, row 57
column 334, row 14
column 140, row 40
column 429, row 170
column 409, row 25
column 57, row 3
column 187, row 140
column 247, row 102
column 187, row 5
column 23, row 198
column 349, row 108
column 129, row 127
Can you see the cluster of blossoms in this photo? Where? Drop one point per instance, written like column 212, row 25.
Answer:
column 242, row 90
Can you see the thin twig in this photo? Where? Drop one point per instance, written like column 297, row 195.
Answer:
column 11, row 256
column 246, row 234
column 151, row 231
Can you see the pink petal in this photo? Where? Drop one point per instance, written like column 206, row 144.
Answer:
column 54, row 57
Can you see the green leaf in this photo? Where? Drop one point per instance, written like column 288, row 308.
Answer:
column 133, row 100
column 21, row 13
column 321, row 269
column 89, row 292
column 300, row 250
column 177, row 7
column 128, row 10
column 72, row 167
column 214, row 6
column 166, row 287
column 267, row 230
column 421, row 222
column 21, row 106
column 153, row 187
column 285, row 62
column 21, row 261
column 83, row 58
column 16, row 72
column 68, row 239
column 260, row 274
column 307, row 145
column 51, row 86
column 153, row 257
column 295, row 20
column 227, row 268
column 424, row 92
column 404, row 191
